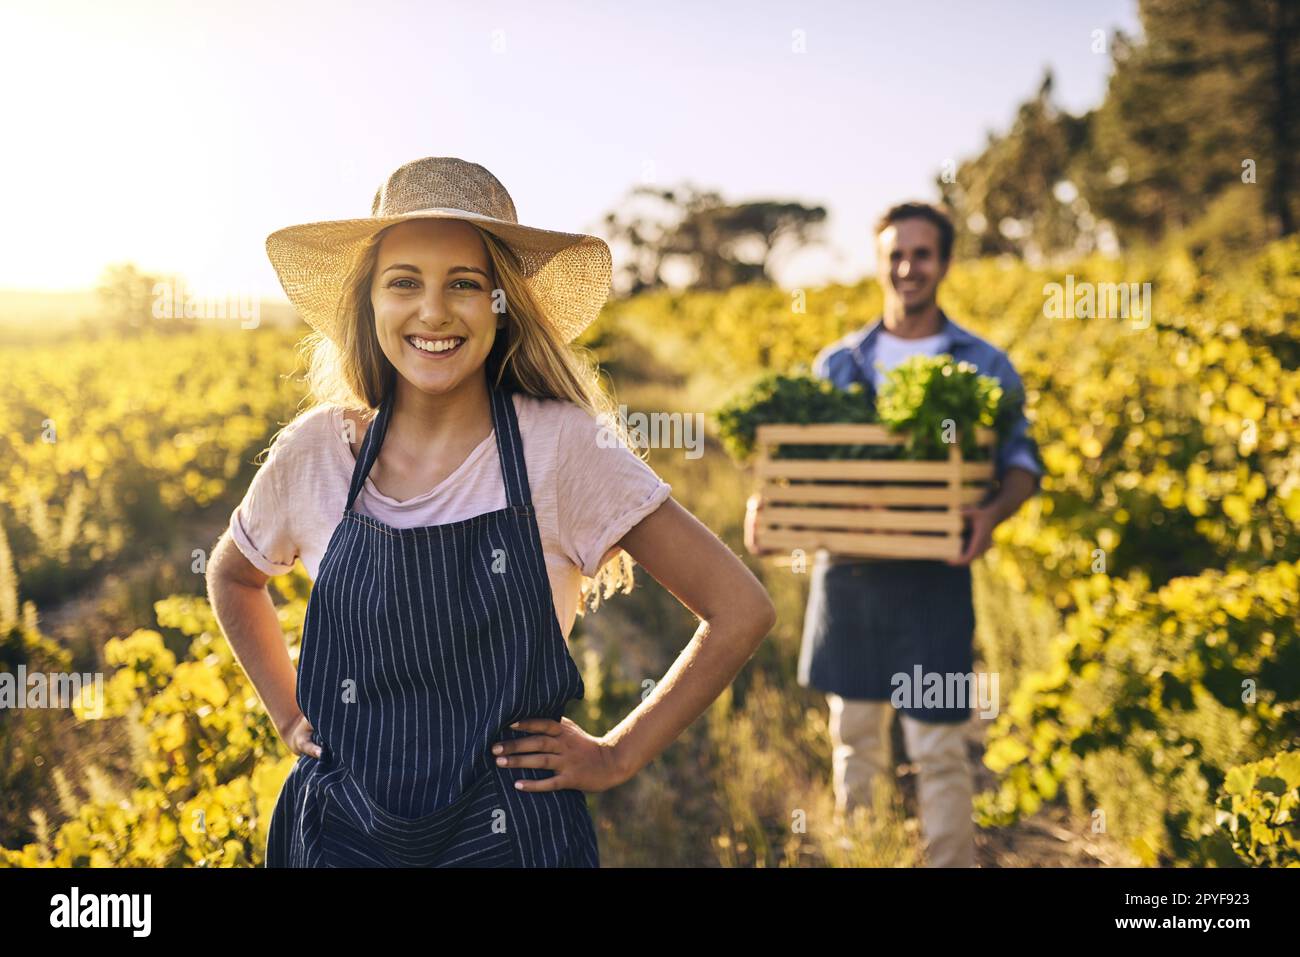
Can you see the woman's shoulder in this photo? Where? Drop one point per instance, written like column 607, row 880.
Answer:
column 350, row 422
column 582, row 439
column 537, row 415
column 310, row 431
column 552, row 413
column 570, row 433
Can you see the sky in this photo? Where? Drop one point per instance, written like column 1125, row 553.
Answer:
column 177, row 135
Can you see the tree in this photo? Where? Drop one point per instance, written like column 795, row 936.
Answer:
column 1016, row 197
column 126, row 298
column 1196, row 137
column 707, row 243
column 1211, row 87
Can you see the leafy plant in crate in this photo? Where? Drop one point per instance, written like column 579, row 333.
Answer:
column 904, row 504
column 923, row 395
column 916, row 399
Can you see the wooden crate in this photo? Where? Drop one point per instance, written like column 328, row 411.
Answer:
column 865, row 508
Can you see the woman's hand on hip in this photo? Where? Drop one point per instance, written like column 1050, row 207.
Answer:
column 298, row 738
column 579, row 760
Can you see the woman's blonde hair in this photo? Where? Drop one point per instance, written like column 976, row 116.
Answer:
column 527, row 355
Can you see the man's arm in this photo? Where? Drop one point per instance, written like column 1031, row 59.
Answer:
column 1018, row 469
column 1016, row 487
column 1017, row 450
column 835, row 365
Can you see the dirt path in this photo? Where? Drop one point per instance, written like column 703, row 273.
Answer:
column 1050, row 838
column 121, row 600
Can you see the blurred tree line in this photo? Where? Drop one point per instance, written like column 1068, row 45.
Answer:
column 130, row 302
column 1194, row 143
column 687, row 236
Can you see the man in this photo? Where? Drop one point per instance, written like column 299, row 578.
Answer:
column 869, row 620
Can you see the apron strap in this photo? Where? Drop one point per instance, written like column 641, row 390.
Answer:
column 510, row 448
column 370, row 448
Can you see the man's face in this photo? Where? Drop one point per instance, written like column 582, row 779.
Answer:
column 909, row 266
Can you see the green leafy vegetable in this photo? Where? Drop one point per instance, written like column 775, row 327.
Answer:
column 933, row 398
column 922, row 397
column 795, row 400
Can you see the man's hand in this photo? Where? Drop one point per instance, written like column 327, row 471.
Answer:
column 982, row 521
column 1017, row 485
column 753, row 516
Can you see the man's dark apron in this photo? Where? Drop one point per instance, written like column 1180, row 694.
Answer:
column 420, row 646
column 868, row 621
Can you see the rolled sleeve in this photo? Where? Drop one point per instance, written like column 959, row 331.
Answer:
column 250, row 551
column 260, row 526
column 614, row 532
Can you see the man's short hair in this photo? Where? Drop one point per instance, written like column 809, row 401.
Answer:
column 938, row 215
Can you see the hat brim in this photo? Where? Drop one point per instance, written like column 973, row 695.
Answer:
column 568, row 273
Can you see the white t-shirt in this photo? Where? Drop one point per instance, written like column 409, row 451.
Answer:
column 892, row 349
column 586, row 497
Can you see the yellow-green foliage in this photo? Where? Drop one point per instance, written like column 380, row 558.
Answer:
column 1163, row 556
column 1181, row 682
column 1167, row 530
column 108, row 443
column 1259, row 810
column 210, row 764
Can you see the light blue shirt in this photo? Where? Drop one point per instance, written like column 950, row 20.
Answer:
column 852, row 359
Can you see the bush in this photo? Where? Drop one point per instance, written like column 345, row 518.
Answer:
column 1257, row 811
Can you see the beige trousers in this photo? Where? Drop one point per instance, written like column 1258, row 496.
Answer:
column 860, row 751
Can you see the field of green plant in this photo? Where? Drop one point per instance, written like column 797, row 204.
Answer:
column 1141, row 611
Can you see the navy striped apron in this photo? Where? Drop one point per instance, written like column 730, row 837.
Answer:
column 420, row 647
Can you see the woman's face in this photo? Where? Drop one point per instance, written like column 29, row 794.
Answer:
column 432, row 289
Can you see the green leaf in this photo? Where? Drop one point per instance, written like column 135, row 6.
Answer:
column 1240, row 780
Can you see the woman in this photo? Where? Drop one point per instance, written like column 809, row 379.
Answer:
column 428, row 703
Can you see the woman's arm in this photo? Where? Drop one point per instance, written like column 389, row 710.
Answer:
column 736, row 614
column 247, row 616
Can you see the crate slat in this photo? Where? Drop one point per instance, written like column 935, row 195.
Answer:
column 863, row 519
column 822, row 494
column 829, row 434
column 879, row 471
column 845, row 433
column 866, row 545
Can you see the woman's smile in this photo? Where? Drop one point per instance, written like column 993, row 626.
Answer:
column 440, row 348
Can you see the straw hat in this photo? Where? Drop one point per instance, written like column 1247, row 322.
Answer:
column 568, row 273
